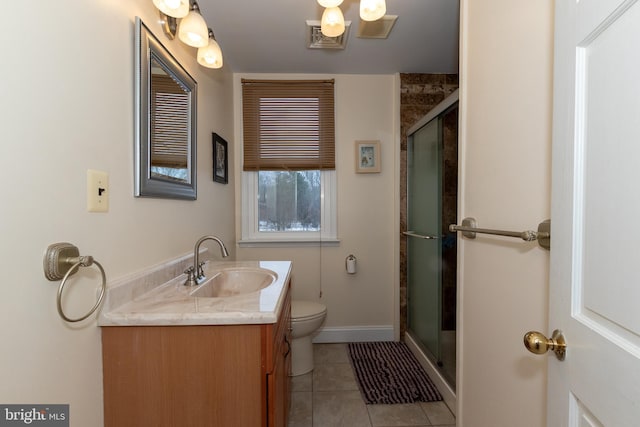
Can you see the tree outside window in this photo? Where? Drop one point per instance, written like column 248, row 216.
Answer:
column 289, row 200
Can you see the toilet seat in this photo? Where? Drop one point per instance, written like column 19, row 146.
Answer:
column 305, row 310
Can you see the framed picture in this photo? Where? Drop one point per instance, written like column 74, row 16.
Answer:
column 220, row 159
column 368, row 156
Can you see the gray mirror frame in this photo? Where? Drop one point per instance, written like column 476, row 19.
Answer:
column 147, row 47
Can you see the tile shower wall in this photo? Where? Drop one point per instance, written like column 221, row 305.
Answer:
column 419, row 93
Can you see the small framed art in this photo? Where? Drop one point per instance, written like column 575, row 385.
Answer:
column 368, row 156
column 220, row 159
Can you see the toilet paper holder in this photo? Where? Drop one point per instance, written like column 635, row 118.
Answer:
column 350, row 264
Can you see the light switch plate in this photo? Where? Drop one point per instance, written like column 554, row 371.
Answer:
column 97, row 191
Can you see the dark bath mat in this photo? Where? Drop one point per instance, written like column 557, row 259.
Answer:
column 388, row 373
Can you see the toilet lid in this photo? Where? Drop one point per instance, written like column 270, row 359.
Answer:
column 304, row 309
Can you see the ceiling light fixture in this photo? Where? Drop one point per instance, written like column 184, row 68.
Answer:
column 372, row 10
column 332, row 23
column 210, row 56
column 193, row 29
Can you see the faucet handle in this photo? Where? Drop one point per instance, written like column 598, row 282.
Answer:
column 191, row 279
column 200, row 270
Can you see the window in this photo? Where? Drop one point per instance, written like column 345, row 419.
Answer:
column 289, row 161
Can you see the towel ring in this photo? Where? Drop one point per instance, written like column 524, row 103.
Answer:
column 85, row 261
column 62, row 260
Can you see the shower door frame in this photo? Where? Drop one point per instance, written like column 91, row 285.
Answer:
column 411, row 338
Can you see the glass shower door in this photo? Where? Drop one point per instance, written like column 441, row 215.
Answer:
column 424, row 244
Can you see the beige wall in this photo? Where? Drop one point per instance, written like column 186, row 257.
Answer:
column 67, row 106
column 366, row 109
column 506, row 87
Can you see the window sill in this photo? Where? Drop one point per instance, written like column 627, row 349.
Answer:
column 264, row 243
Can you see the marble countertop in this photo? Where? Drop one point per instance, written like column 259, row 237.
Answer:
column 169, row 303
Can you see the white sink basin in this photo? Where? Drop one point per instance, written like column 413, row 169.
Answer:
column 234, row 281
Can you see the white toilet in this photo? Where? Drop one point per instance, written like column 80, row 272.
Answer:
column 306, row 318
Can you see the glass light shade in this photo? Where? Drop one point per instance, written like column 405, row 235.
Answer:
column 174, row 8
column 193, row 30
column 372, row 10
column 210, row 56
column 332, row 23
column 330, row 3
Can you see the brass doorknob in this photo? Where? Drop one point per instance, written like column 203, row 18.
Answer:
column 537, row 343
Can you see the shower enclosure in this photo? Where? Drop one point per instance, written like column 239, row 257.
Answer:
column 432, row 172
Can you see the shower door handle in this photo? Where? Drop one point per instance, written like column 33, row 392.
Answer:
column 420, row 236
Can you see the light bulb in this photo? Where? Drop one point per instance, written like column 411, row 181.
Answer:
column 372, row 10
column 210, row 56
column 329, row 3
column 174, row 8
column 193, row 30
column 332, row 23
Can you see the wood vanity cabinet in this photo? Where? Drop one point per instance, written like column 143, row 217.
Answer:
column 198, row 376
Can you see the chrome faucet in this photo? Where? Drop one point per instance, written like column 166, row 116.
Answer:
column 195, row 273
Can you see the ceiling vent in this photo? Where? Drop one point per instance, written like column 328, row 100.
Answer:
column 317, row 40
column 378, row 29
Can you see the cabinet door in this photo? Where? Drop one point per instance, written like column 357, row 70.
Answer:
column 279, row 384
column 187, row 376
column 286, row 387
column 279, row 381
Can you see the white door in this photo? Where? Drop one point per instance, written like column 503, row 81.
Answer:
column 595, row 242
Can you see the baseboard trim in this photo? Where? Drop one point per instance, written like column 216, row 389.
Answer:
column 354, row 334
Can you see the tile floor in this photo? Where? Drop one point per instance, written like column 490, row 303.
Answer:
column 329, row 397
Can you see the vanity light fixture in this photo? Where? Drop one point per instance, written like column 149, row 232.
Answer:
column 372, row 10
column 173, row 8
column 330, row 3
column 332, row 23
column 210, row 56
column 193, row 30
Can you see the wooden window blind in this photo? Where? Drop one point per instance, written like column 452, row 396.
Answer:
column 169, row 123
column 288, row 124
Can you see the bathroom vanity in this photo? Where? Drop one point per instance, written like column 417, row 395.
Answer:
column 173, row 359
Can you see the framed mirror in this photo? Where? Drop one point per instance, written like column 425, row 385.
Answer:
column 165, row 104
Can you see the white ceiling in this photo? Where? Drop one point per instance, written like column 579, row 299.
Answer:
column 270, row 36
